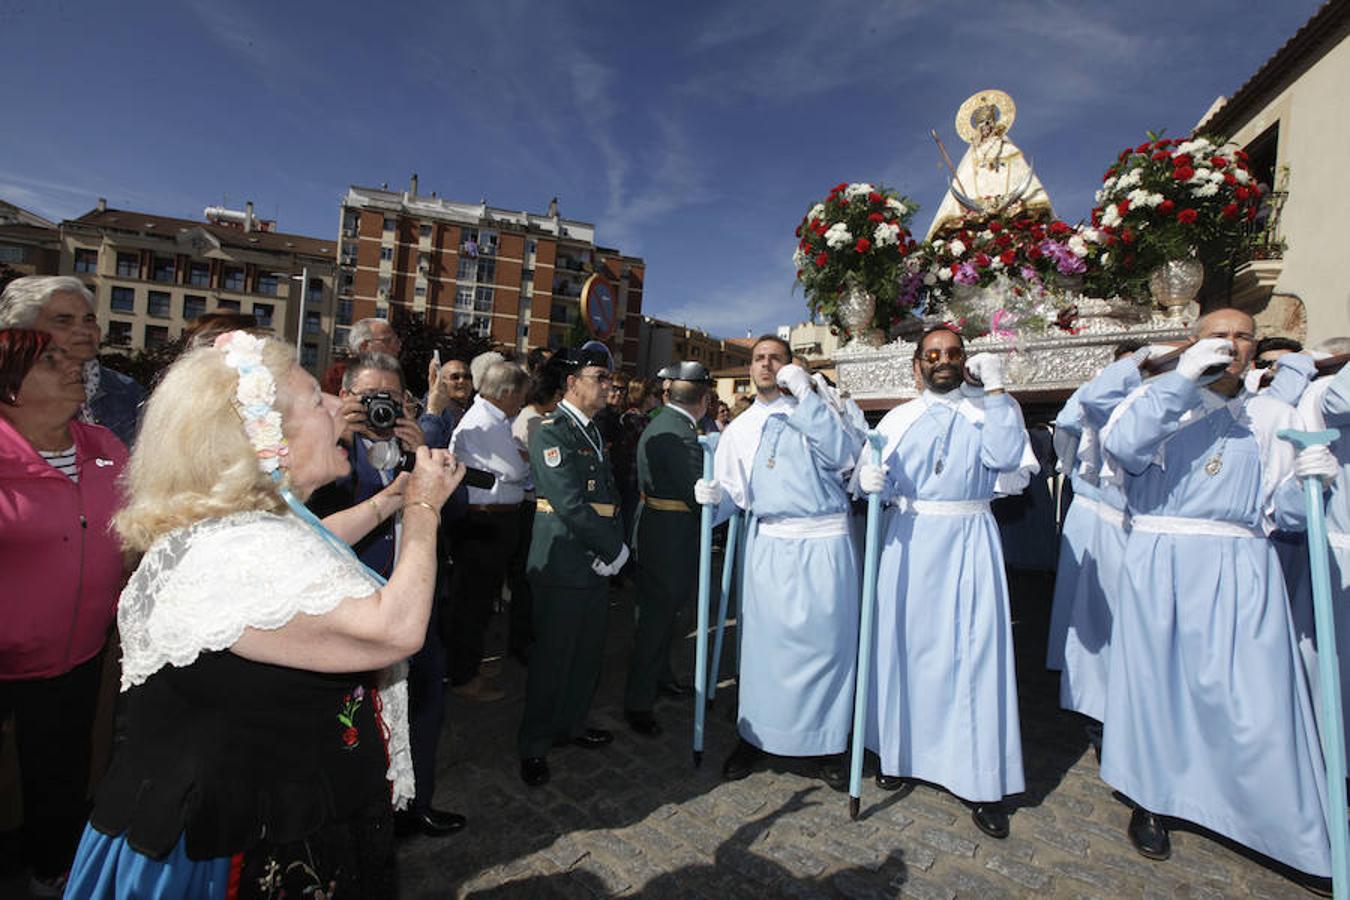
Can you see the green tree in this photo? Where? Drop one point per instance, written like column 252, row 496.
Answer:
column 422, row 338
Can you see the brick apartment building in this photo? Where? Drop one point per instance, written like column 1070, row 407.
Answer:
column 513, row 276
column 663, row 343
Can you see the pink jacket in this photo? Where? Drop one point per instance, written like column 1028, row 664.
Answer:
column 60, row 565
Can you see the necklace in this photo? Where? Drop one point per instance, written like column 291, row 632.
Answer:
column 599, row 453
column 1214, row 465
column 946, row 441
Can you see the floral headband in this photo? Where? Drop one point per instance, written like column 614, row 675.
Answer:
column 253, row 399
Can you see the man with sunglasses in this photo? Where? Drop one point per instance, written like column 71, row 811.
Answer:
column 576, row 546
column 945, row 707
column 781, row 460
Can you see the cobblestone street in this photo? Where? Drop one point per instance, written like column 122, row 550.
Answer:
column 636, row 819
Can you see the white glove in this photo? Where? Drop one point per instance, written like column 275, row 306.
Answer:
column 612, row 568
column 707, row 493
column 1317, row 462
column 988, row 369
column 1150, row 351
column 827, row 393
column 1301, row 363
column 872, row 478
column 794, row 379
column 1203, row 354
column 598, row 567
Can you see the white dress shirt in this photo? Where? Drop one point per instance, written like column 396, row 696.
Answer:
column 483, row 440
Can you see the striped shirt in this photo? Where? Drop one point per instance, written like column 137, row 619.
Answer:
column 63, row 461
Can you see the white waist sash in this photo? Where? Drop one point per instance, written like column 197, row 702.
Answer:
column 1104, row 511
column 1184, row 525
column 913, row 506
column 1339, row 539
column 797, row 527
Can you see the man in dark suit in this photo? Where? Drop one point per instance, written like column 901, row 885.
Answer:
column 578, row 543
column 665, row 537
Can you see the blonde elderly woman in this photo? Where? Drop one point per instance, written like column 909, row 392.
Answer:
column 266, row 723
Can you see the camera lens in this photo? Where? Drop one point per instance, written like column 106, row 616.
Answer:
column 381, row 411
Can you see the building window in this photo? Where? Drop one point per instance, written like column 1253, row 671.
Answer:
column 420, row 290
column 123, row 300
column 386, row 253
column 156, row 336
column 11, row 254
column 487, row 243
column 157, row 304
column 227, row 306
column 199, row 275
column 233, row 280
column 87, row 261
column 263, row 312
column 267, row 284
column 347, row 280
column 482, row 299
column 315, row 292
column 164, row 269
column 313, row 323
column 344, row 311
column 128, row 265
column 193, row 306
column 479, row 325
column 531, row 246
column 309, row 355
column 468, row 269
column 464, row 298
column 119, row 333
column 425, row 231
column 382, row 284
column 390, row 223
column 487, row 271
column 340, row 339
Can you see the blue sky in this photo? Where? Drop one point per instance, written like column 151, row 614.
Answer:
column 694, row 134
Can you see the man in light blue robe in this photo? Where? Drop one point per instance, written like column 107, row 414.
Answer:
column 1325, row 404
column 782, row 460
column 945, row 688
column 1208, row 713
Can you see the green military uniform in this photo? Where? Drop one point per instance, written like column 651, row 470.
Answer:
column 665, row 539
column 576, row 522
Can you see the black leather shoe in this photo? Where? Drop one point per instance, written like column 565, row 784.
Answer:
column 430, row 822
column 594, row 738
column 1148, row 835
column 742, row 761
column 990, row 818
column 834, row 771
column 644, row 723
column 901, row 786
column 534, row 770
column 675, row 689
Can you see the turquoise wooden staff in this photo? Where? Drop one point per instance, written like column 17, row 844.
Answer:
column 709, row 443
column 865, row 627
column 1328, row 665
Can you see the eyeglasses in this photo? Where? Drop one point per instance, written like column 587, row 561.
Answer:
column 952, row 354
column 459, row 376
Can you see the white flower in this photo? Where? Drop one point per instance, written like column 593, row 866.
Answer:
column 944, row 274
column 886, row 234
column 1110, row 217
column 930, row 279
column 1098, row 197
column 243, row 350
column 995, row 263
column 957, row 247
column 1090, row 234
column 265, row 433
column 799, row 259
column 816, row 211
column 1195, row 146
column 1106, row 259
column 1078, row 246
column 1129, row 179
column 1155, row 199
column 896, row 205
column 1201, row 175
column 1208, row 189
column 838, row 236
column 858, row 189
column 1137, row 197
column 256, row 387
column 1242, row 176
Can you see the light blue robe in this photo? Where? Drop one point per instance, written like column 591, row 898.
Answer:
column 943, row 678
column 1094, row 544
column 799, row 634
column 1208, row 716
column 1326, row 405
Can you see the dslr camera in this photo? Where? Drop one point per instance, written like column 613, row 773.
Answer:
column 383, row 409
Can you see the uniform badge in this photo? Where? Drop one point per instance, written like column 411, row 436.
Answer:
column 552, row 457
column 590, row 485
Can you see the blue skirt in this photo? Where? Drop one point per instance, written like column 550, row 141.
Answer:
column 106, row 867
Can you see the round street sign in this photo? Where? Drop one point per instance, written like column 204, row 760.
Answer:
column 599, row 309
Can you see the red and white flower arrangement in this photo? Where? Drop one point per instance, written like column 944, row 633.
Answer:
column 857, row 237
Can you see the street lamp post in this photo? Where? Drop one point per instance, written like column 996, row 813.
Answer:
column 303, row 277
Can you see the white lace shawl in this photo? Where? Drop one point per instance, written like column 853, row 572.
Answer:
column 199, row 587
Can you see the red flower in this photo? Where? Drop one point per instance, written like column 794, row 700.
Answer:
column 1123, row 207
column 996, row 226
column 1251, row 213
column 1218, row 162
column 1124, row 154
column 843, row 201
column 863, row 245
column 1033, row 252
column 1097, row 217
column 955, row 267
column 1127, row 236
column 1143, row 148
column 1160, row 155
column 821, row 260
column 1021, row 224
column 839, row 187
column 1187, row 216
column 1184, row 173
column 799, row 274
column 1037, row 232
column 875, row 217
column 1181, row 159
column 1166, row 207
column 874, row 197
column 1058, row 227
column 1230, row 211
column 1008, row 257
column 1242, row 193
column 349, row 737
column 1242, row 155
column 1004, row 240
column 1110, row 173
column 1229, row 178
column 982, row 260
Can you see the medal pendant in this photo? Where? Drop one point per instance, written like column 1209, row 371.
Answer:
column 937, row 469
column 769, row 462
column 1213, row 466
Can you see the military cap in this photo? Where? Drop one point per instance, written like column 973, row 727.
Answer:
column 686, row 371
column 572, row 359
